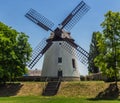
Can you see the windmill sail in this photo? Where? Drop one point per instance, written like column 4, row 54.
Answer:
column 78, row 52
column 80, row 10
column 38, row 52
column 40, row 20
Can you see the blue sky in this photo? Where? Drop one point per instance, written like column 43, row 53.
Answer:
column 12, row 13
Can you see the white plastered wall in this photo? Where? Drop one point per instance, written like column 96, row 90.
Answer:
column 51, row 66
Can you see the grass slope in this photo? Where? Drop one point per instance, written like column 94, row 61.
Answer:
column 82, row 89
column 69, row 92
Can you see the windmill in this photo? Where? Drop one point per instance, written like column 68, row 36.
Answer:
column 60, row 51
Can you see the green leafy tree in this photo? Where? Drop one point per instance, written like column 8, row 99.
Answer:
column 93, row 52
column 109, row 45
column 15, row 51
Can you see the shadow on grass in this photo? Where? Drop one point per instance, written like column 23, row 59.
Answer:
column 9, row 89
column 111, row 93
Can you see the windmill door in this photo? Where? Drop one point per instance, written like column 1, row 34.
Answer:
column 60, row 74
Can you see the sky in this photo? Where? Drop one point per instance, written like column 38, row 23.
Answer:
column 12, row 14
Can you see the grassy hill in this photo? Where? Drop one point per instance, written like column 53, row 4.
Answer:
column 91, row 89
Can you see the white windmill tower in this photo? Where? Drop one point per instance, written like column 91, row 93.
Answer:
column 60, row 51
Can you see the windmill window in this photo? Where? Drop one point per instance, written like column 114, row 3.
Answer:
column 60, row 43
column 59, row 59
column 73, row 63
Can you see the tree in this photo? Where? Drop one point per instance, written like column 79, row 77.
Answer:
column 15, row 51
column 93, row 52
column 109, row 45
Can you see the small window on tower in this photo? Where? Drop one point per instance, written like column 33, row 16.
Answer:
column 73, row 63
column 59, row 59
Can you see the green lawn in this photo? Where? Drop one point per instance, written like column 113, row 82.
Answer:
column 39, row 99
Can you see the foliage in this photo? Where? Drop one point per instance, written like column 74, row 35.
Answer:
column 15, row 51
column 93, row 52
column 109, row 45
